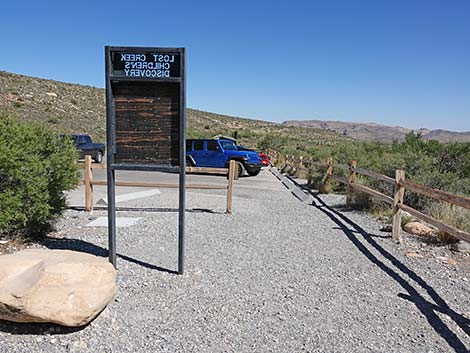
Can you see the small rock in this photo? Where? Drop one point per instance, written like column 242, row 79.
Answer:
column 383, row 219
column 451, row 261
column 386, row 228
column 417, row 228
column 52, row 94
column 447, row 260
column 413, row 254
column 461, row 246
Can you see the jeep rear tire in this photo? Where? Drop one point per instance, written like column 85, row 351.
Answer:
column 99, row 157
column 241, row 169
column 189, row 163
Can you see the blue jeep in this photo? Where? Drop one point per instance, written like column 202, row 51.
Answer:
column 218, row 154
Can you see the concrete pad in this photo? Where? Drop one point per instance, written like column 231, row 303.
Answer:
column 130, row 196
column 120, row 222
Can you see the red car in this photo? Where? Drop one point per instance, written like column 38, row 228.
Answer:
column 264, row 159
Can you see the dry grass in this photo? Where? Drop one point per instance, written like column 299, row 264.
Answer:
column 455, row 216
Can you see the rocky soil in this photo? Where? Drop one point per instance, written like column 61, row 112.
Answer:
column 279, row 275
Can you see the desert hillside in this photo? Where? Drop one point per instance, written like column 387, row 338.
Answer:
column 73, row 108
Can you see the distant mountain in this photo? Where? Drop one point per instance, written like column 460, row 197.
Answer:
column 377, row 132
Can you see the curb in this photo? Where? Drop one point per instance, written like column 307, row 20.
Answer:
column 295, row 188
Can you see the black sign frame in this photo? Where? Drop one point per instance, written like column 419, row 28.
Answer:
column 113, row 77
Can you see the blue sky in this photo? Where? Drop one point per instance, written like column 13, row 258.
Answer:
column 393, row 62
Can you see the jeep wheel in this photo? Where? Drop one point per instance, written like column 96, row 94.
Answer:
column 241, row 169
column 189, row 163
column 99, row 157
column 254, row 173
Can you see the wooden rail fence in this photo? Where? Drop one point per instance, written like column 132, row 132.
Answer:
column 231, row 172
column 399, row 183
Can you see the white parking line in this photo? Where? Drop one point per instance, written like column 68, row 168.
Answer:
column 130, row 196
column 120, row 222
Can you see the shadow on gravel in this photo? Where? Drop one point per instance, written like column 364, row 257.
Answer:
column 371, row 235
column 16, row 328
column 148, row 209
column 84, row 246
column 428, row 309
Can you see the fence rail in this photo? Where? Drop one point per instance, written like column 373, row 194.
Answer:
column 231, row 172
column 400, row 186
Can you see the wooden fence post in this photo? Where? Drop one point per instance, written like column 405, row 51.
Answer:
column 310, row 171
column 325, row 187
column 236, row 170
column 88, row 185
column 231, row 176
column 399, row 193
column 329, row 170
column 351, row 180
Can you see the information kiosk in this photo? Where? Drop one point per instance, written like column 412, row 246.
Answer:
column 145, row 119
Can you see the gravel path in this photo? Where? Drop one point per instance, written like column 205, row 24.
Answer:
column 279, row 275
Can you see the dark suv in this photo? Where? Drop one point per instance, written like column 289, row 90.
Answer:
column 218, row 154
column 85, row 145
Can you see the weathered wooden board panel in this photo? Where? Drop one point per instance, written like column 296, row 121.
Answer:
column 147, row 122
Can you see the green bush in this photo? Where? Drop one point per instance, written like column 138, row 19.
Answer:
column 36, row 167
column 443, row 166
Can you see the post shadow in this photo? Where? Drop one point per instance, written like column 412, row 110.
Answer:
column 148, row 209
column 427, row 308
column 90, row 248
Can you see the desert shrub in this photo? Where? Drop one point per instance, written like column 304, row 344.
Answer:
column 359, row 200
column 273, row 141
column 406, row 218
column 443, row 166
column 36, row 167
column 321, row 183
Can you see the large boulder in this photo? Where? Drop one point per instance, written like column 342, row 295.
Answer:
column 417, row 228
column 60, row 286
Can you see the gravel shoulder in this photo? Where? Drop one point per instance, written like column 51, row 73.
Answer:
column 279, row 275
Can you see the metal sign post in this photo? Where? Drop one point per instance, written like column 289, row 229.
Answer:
column 145, row 119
